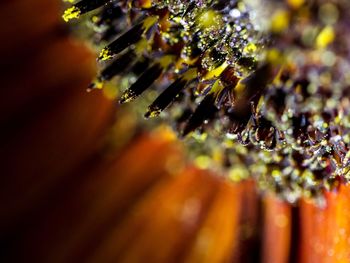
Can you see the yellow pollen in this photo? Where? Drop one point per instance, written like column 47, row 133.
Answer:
column 71, row 13
column 105, row 54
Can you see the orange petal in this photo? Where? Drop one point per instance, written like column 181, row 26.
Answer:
column 217, row 238
column 43, row 152
column 160, row 226
column 47, row 74
column 277, row 230
column 23, row 26
column 326, row 231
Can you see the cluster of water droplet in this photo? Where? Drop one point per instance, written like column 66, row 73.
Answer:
column 297, row 136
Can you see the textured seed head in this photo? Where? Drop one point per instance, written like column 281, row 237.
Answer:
column 259, row 85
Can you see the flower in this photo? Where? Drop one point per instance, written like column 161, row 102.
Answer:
column 78, row 185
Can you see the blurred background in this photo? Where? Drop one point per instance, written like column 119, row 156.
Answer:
column 79, row 185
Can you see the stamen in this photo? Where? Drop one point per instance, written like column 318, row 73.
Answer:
column 130, row 37
column 83, row 7
column 117, row 66
column 165, row 98
column 142, row 83
column 205, row 110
